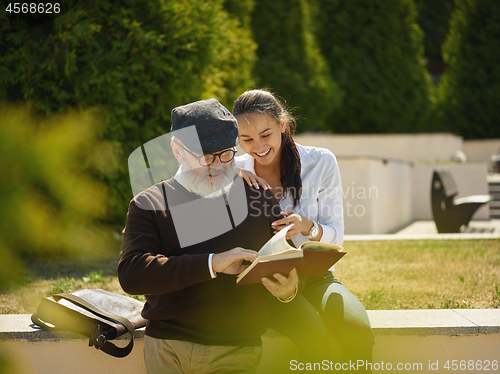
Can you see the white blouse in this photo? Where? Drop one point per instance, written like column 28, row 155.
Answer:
column 321, row 199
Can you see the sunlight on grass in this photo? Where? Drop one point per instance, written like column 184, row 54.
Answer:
column 427, row 274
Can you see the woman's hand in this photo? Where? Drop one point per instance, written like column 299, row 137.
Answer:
column 252, row 179
column 282, row 287
column 301, row 225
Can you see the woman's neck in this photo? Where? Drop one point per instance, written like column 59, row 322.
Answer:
column 271, row 173
column 266, row 170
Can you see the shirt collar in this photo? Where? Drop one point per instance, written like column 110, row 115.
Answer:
column 305, row 158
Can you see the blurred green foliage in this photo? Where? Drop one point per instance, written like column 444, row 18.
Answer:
column 375, row 53
column 433, row 19
column 290, row 61
column 131, row 61
column 96, row 277
column 469, row 91
column 7, row 364
column 63, row 286
column 52, row 204
column 242, row 9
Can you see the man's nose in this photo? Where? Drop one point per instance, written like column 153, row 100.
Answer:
column 216, row 165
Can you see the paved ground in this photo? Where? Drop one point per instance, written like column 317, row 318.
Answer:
column 427, row 230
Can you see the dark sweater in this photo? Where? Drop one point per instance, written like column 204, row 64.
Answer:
column 183, row 302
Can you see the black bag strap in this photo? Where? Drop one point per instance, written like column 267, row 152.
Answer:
column 98, row 339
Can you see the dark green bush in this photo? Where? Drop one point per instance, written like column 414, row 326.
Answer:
column 133, row 62
column 242, row 9
column 290, row 62
column 469, row 91
column 433, row 19
column 375, row 54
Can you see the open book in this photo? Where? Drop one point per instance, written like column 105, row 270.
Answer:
column 277, row 256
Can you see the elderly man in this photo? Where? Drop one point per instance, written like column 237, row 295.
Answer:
column 175, row 252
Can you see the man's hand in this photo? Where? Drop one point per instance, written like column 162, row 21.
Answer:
column 229, row 262
column 282, row 287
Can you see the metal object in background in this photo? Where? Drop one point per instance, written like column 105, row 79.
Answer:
column 451, row 214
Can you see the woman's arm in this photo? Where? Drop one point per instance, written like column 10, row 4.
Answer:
column 330, row 205
column 301, row 225
column 321, row 202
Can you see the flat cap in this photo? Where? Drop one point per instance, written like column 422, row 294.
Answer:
column 216, row 127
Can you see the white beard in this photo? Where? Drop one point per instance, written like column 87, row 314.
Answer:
column 197, row 182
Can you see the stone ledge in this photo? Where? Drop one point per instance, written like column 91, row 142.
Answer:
column 435, row 321
column 384, row 237
column 384, row 322
column 19, row 326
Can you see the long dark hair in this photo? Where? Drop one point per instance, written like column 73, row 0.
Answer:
column 264, row 102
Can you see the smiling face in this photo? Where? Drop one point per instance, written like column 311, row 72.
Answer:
column 260, row 137
column 206, row 181
column 211, row 181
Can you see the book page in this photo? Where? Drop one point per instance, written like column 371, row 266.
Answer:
column 276, row 244
column 320, row 246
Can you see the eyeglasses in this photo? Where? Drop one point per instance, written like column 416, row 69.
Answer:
column 206, row 160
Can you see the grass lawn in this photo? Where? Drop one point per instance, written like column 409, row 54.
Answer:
column 424, row 274
column 428, row 274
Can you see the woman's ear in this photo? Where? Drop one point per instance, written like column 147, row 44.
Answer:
column 283, row 126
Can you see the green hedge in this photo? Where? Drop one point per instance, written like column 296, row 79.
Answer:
column 131, row 61
column 290, row 62
column 469, row 91
column 433, row 19
column 375, row 53
column 242, row 9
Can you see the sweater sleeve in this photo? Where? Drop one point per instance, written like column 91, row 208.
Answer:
column 143, row 269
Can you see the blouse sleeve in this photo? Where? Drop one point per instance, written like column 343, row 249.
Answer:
column 330, row 208
column 322, row 200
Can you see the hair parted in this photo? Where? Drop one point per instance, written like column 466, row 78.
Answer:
column 264, row 102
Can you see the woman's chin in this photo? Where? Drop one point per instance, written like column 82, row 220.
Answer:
column 264, row 160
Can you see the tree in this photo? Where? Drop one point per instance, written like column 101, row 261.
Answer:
column 290, row 62
column 374, row 51
column 433, row 19
column 132, row 62
column 469, row 91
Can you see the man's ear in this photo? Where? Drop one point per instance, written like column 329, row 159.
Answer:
column 177, row 151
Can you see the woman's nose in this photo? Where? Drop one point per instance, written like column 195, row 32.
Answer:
column 259, row 146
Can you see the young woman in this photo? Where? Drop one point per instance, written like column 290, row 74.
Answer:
column 306, row 181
